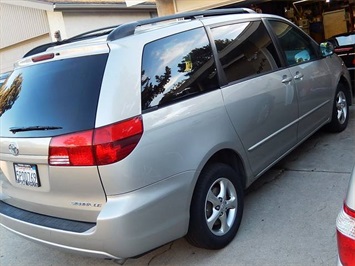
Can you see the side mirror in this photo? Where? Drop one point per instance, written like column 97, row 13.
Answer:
column 327, row 48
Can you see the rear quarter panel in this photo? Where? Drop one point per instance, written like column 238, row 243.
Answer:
column 337, row 71
column 178, row 138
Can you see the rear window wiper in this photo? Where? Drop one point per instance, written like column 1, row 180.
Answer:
column 32, row 128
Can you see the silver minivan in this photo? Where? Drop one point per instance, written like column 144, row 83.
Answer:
column 121, row 140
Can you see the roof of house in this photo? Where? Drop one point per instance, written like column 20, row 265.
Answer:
column 59, row 5
column 94, row 1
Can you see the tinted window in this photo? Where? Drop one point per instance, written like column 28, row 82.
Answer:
column 177, row 67
column 296, row 47
column 61, row 93
column 245, row 50
column 346, row 40
column 3, row 77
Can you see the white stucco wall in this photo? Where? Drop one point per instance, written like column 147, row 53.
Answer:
column 23, row 28
column 76, row 22
column 18, row 24
column 11, row 54
column 189, row 5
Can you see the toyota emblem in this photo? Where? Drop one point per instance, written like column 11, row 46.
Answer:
column 13, row 148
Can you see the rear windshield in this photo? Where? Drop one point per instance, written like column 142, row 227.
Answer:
column 52, row 98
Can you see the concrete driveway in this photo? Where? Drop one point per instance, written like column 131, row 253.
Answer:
column 289, row 216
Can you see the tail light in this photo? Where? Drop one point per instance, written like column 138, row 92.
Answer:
column 346, row 236
column 99, row 146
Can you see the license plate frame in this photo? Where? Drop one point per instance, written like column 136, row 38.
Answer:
column 27, row 174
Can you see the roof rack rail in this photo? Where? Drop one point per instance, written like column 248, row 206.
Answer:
column 129, row 28
column 120, row 31
column 80, row 37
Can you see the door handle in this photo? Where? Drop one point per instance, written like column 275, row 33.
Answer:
column 286, row 79
column 298, row 75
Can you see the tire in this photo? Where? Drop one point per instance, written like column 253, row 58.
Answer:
column 340, row 114
column 216, row 208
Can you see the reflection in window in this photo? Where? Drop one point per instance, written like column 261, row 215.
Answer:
column 177, row 67
column 296, row 47
column 62, row 93
column 245, row 50
column 9, row 95
column 346, row 40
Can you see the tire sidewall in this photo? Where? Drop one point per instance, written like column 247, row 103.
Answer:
column 198, row 225
column 335, row 125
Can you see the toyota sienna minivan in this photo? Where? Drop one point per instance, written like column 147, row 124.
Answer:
column 120, row 140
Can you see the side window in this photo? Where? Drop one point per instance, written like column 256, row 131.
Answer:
column 177, row 67
column 296, row 47
column 245, row 50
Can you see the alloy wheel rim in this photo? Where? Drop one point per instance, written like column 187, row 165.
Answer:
column 341, row 107
column 221, row 206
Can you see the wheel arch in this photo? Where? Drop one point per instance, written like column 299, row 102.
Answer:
column 340, row 112
column 232, row 159
column 225, row 160
column 349, row 88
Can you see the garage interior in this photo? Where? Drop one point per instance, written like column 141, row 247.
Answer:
column 321, row 19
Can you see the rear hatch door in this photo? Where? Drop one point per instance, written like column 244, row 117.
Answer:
column 38, row 102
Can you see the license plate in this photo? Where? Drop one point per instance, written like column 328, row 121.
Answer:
column 27, row 175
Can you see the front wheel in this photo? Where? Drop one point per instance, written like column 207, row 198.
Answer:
column 216, row 208
column 340, row 115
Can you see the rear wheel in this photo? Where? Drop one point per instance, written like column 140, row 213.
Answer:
column 340, row 116
column 216, row 207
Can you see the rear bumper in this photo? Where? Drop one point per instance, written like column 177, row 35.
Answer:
column 127, row 226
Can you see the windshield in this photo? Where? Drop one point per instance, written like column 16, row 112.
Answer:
column 59, row 95
column 346, row 40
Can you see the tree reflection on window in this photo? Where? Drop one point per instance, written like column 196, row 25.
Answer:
column 245, row 50
column 177, row 67
column 9, row 95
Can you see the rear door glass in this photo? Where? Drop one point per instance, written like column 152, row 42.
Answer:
column 61, row 94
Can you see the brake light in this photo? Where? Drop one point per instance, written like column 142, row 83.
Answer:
column 346, row 236
column 100, row 146
column 42, row 57
column 115, row 142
